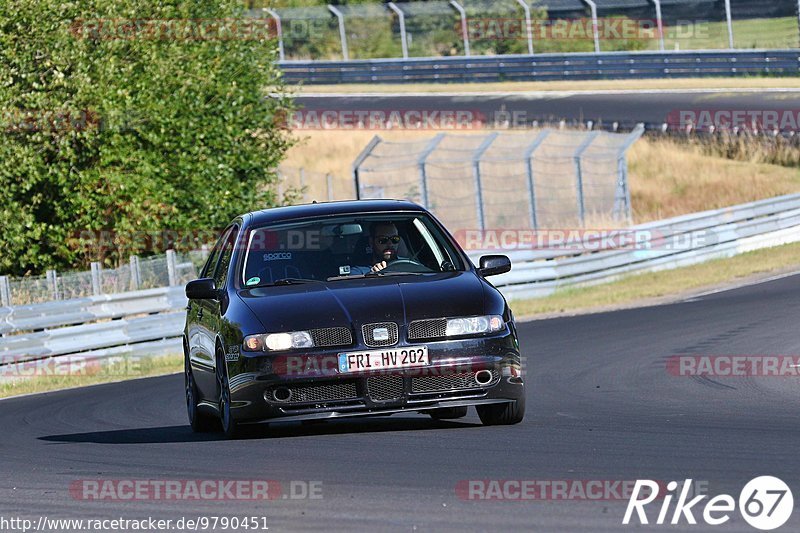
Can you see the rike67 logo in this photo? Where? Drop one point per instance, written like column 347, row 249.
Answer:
column 766, row 503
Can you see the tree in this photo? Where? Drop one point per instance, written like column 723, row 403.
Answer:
column 131, row 118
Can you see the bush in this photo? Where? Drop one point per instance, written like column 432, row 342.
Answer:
column 130, row 132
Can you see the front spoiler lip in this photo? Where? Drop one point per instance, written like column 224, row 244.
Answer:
column 330, row 415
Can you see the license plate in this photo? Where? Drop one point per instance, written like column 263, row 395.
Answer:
column 413, row 356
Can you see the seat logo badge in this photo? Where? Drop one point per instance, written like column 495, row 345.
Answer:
column 380, row 334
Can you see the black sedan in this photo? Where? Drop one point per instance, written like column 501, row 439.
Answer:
column 347, row 309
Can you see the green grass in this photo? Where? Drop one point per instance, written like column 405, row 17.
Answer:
column 652, row 286
column 125, row 369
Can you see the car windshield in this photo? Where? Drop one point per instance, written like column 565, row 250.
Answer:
column 343, row 247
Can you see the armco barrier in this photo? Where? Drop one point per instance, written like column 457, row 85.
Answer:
column 150, row 322
column 546, row 67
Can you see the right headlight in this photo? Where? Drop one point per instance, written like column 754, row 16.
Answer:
column 474, row 325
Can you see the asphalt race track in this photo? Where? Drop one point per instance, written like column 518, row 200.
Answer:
column 601, row 406
column 628, row 108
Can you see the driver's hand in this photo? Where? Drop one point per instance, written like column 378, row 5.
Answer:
column 378, row 266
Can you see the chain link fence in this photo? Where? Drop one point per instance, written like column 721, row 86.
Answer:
column 476, row 27
column 535, row 179
column 170, row 269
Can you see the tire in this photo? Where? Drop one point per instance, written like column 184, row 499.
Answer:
column 229, row 426
column 502, row 414
column 199, row 422
column 448, row 413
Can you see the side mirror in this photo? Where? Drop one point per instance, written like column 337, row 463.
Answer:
column 492, row 265
column 202, row 289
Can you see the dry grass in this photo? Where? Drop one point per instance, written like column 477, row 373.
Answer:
column 140, row 368
column 667, row 178
column 597, row 85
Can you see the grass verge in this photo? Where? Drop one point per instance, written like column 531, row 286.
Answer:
column 124, row 370
column 571, row 86
column 667, row 285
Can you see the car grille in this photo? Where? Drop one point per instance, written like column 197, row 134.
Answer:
column 332, row 337
column 427, row 329
column 319, row 393
column 383, row 388
column 369, row 340
column 448, row 382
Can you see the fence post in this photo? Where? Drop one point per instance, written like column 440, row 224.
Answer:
column 659, row 24
column 5, row 291
column 329, row 183
column 423, row 175
column 476, row 172
column 136, row 273
column 402, row 19
column 595, row 29
column 579, row 175
column 729, row 18
column 302, row 175
column 359, row 160
column 623, row 193
column 529, row 169
column 52, row 283
column 342, row 32
column 172, row 271
column 97, row 288
column 529, row 29
column 464, row 29
column 279, row 29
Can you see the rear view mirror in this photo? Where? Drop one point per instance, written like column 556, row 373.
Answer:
column 494, row 264
column 342, row 230
column 202, row 289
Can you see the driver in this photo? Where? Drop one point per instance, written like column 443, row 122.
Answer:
column 384, row 240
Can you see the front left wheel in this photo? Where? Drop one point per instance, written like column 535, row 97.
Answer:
column 229, row 426
column 199, row 422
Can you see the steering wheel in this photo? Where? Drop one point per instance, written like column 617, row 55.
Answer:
column 405, row 265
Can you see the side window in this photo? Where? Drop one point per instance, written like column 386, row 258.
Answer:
column 221, row 272
column 208, row 269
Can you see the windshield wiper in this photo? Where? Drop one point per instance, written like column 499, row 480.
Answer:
column 378, row 274
column 284, row 281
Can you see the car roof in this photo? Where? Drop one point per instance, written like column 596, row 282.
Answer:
column 288, row 213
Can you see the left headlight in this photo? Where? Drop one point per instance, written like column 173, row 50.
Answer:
column 474, row 325
column 278, row 341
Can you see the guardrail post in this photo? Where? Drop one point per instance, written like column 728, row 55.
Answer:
column 476, row 172
column 579, row 175
column 595, row 29
column 52, row 283
column 97, row 288
column 136, row 273
column 526, row 8
column 172, row 271
column 423, row 174
column 359, row 160
column 729, row 19
column 5, row 291
column 402, row 19
column 342, row 32
column 279, row 30
column 529, row 169
column 464, row 29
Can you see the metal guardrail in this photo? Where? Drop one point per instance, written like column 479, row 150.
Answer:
column 546, row 67
column 723, row 233
column 150, row 322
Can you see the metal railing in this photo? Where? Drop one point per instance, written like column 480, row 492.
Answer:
column 546, row 67
column 472, row 28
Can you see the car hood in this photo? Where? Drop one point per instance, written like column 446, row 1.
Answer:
column 400, row 299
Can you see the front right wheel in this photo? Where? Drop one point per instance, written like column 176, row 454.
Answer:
column 502, row 414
